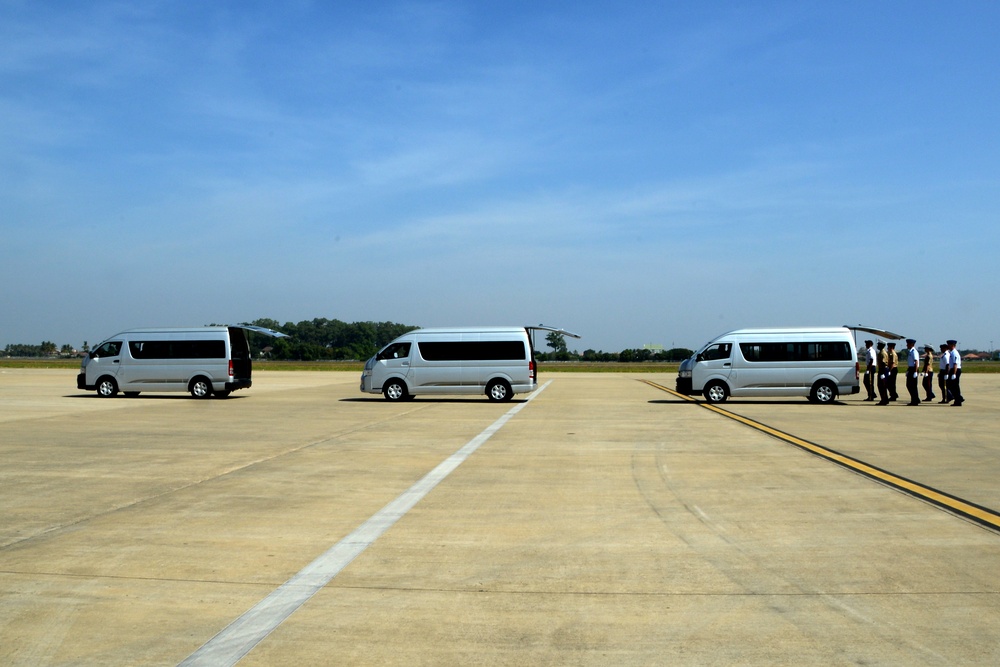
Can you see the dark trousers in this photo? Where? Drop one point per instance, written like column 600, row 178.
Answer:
column 870, row 383
column 883, row 388
column 929, row 386
column 891, row 381
column 912, row 386
column 955, row 388
column 943, row 386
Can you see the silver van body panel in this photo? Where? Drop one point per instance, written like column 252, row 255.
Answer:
column 130, row 360
column 447, row 372
column 748, row 378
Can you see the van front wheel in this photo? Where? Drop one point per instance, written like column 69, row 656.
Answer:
column 716, row 392
column 394, row 390
column 499, row 390
column 107, row 387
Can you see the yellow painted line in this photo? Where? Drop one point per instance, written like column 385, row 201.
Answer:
column 982, row 515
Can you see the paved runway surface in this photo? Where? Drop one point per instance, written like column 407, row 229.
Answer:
column 603, row 522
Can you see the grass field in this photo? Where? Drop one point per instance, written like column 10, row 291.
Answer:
column 544, row 367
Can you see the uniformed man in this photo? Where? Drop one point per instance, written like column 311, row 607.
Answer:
column 892, row 372
column 870, row 370
column 882, row 369
column 955, row 373
column 927, row 369
column 912, row 368
column 943, row 374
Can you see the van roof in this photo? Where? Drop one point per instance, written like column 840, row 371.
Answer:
column 440, row 330
column 787, row 330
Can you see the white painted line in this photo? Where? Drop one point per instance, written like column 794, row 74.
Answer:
column 240, row 636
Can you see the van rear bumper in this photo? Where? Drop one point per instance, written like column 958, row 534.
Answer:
column 239, row 384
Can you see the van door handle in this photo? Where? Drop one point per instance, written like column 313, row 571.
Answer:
column 405, row 363
column 727, row 365
column 115, row 361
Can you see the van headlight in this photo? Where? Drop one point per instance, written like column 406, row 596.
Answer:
column 684, row 374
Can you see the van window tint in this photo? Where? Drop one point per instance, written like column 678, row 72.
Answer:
column 395, row 351
column 832, row 351
column 500, row 350
column 110, row 349
column 177, row 349
column 717, row 351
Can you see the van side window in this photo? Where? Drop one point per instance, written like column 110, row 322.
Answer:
column 109, row 349
column 832, row 351
column 396, row 351
column 717, row 351
column 177, row 349
column 499, row 350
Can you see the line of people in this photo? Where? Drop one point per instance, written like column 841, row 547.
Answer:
column 882, row 369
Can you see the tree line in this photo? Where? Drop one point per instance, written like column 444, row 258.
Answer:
column 323, row 339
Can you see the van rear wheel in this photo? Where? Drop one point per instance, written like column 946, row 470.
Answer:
column 499, row 390
column 394, row 390
column 200, row 388
column 823, row 392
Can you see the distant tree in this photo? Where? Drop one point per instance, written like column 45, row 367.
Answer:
column 556, row 341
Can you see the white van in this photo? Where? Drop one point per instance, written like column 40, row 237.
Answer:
column 820, row 363
column 203, row 361
column 497, row 361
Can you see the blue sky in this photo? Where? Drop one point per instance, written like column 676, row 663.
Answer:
column 636, row 172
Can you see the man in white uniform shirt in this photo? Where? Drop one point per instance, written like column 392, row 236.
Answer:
column 912, row 369
column 955, row 373
column 870, row 370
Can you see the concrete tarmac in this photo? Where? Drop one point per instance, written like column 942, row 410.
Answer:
column 607, row 522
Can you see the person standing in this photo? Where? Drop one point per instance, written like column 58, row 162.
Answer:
column 943, row 375
column 870, row 370
column 912, row 368
column 927, row 368
column 882, row 369
column 892, row 372
column 955, row 373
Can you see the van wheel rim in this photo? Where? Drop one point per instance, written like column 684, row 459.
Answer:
column 395, row 392
column 824, row 394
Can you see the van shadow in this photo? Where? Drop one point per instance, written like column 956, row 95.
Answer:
column 737, row 403
column 424, row 399
column 155, row 397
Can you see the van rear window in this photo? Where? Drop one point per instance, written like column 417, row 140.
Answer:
column 177, row 349
column 500, row 350
column 832, row 351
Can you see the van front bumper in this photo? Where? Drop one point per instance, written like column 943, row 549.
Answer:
column 81, row 382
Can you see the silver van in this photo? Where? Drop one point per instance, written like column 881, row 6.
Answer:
column 819, row 363
column 496, row 361
column 205, row 361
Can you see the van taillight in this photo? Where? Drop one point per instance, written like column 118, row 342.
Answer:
column 531, row 370
column 230, row 368
column 857, row 369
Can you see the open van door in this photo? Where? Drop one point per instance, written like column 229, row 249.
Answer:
column 261, row 330
column 881, row 333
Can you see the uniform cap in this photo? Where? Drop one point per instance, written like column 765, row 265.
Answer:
column 911, row 341
column 952, row 342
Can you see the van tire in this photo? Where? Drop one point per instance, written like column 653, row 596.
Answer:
column 107, row 387
column 716, row 392
column 823, row 392
column 200, row 387
column 499, row 390
column 394, row 390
